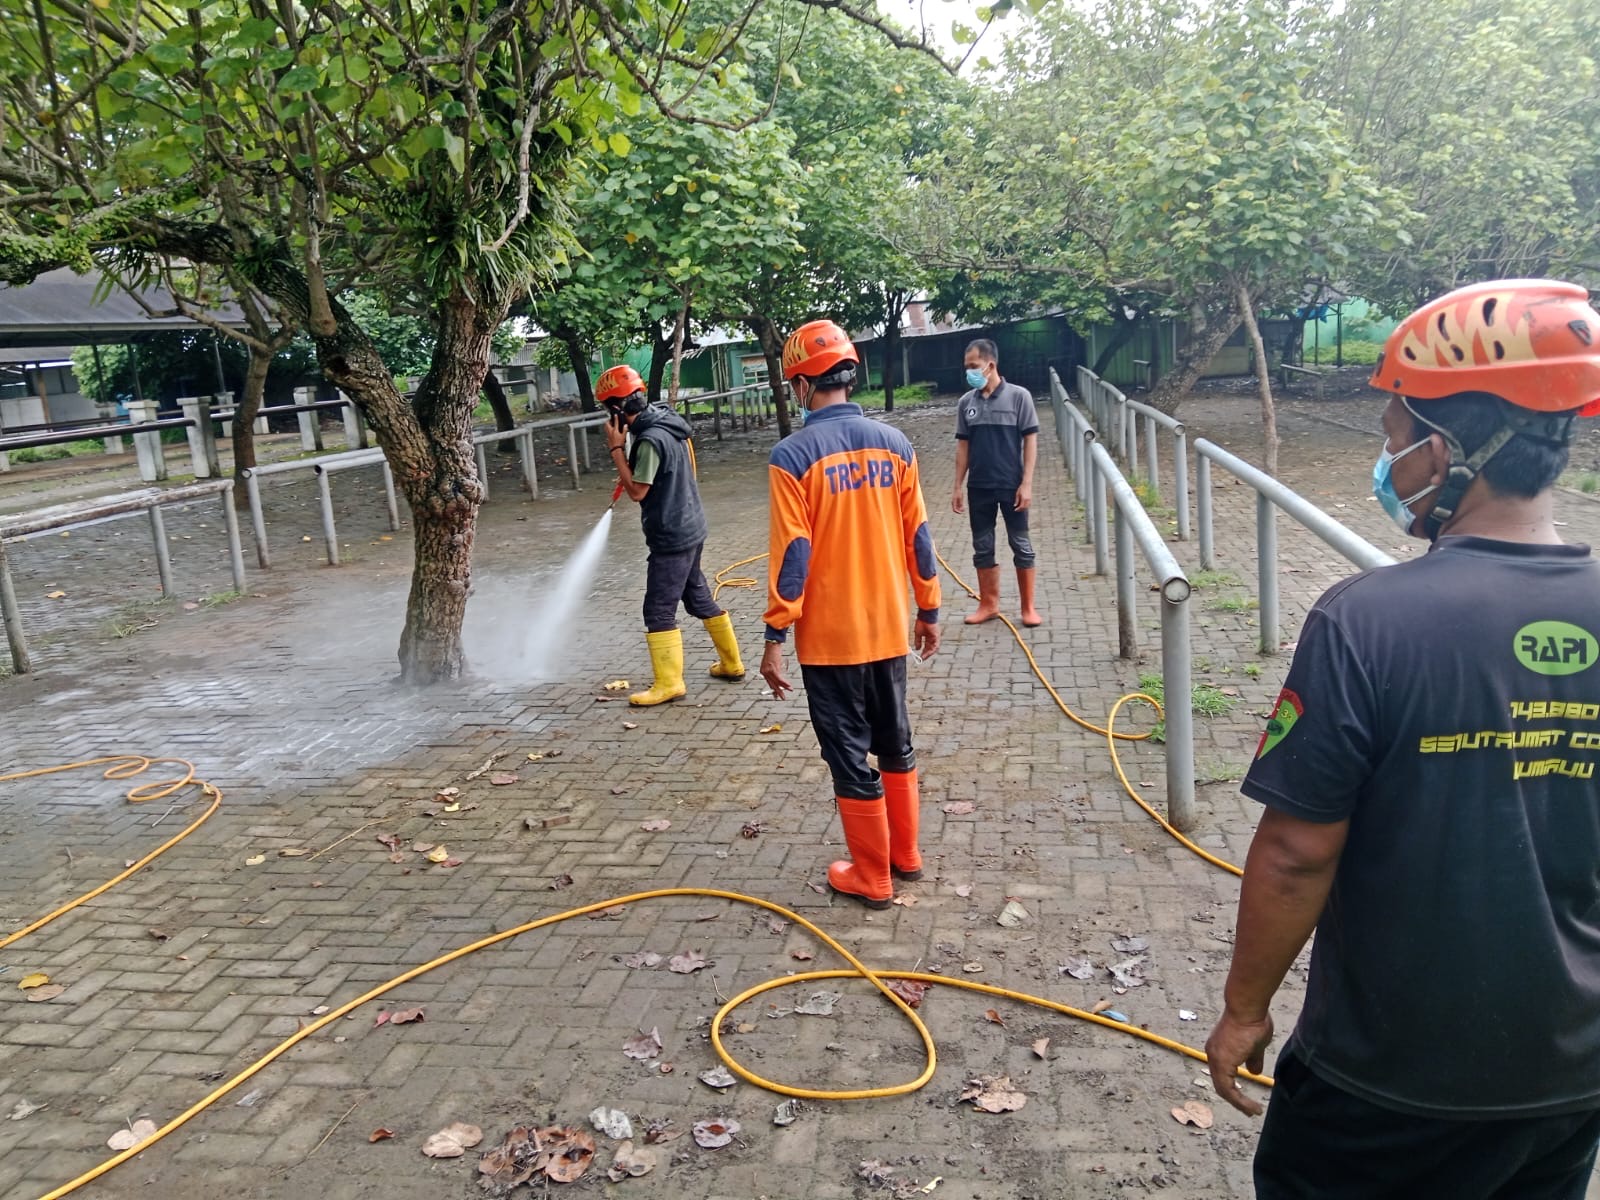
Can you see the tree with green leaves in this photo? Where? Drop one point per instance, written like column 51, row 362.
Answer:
column 417, row 146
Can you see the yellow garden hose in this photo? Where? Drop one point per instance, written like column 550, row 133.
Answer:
column 129, row 766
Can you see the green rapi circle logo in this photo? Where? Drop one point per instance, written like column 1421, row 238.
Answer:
column 1555, row 648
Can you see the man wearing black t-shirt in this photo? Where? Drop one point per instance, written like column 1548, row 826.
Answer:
column 1428, row 776
column 997, row 442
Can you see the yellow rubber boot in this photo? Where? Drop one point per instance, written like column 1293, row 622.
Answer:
column 666, row 656
column 729, row 665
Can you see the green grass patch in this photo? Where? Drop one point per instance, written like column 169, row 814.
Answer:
column 1205, row 700
column 1589, row 484
column 1253, row 670
column 1356, row 354
column 907, row 395
column 38, row 454
column 1233, row 604
column 218, row 599
column 1202, row 580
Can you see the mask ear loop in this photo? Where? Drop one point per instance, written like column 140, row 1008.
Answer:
column 1463, row 470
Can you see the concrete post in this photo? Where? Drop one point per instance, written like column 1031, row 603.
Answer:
column 355, row 427
column 5, row 462
column 202, row 437
column 11, row 618
column 114, row 444
column 152, row 462
column 310, row 422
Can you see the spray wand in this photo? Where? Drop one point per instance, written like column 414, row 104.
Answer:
column 616, row 494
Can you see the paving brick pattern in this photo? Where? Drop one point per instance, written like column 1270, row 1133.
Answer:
column 286, row 699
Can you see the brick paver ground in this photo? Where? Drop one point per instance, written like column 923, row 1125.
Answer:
column 286, row 700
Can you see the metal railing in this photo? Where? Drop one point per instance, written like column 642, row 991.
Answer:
column 1271, row 495
column 63, row 516
column 1119, row 420
column 1096, row 472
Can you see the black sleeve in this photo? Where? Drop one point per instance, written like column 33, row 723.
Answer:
column 1317, row 751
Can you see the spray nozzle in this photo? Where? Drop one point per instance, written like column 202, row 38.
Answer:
column 616, row 494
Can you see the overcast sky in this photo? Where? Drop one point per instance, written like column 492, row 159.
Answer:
column 939, row 15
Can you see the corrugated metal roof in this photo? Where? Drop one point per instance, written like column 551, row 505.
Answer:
column 58, row 309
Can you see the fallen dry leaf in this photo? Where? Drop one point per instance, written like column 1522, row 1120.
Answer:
column 1194, row 1113
column 964, row 890
column 717, row 1077
column 391, row 840
column 994, row 1093
column 905, row 900
column 383, row 1019
column 643, row 1046
column 421, row 847
column 398, row 856
column 255, row 860
column 960, row 808
column 972, row 968
column 503, row 779
column 641, row 960
column 1041, row 1046
column 1129, row 973
column 1100, row 1006
column 1078, row 968
column 160, row 935
column 535, row 757
column 405, row 1016
column 25, row 1109
column 48, row 992
column 438, row 854
column 450, row 863
column 515, row 1161
column 630, row 725
column 380, row 1135
column 446, row 795
column 295, row 852
column 127, row 1139
column 559, row 882
column 715, row 1133
column 569, row 1154
column 819, row 1004
column 776, row 728
column 37, row 979
column 1130, row 944
column 801, row 955
column 752, row 829
column 631, row 1163
column 993, row 1017
column 688, row 962
column 452, row 1141
column 658, row 825
column 55, row 595
column 910, row 990
column 617, row 685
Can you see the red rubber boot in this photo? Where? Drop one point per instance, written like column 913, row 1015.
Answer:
column 865, row 876
column 901, row 797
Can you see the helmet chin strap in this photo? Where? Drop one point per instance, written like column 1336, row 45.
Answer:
column 1464, row 468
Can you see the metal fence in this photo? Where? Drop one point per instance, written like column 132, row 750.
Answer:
column 1271, row 495
column 1120, row 419
column 1096, row 474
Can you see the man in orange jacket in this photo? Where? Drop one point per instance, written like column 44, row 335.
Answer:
column 848, row 527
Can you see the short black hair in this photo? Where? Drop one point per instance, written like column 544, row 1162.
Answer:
column 986, row 349
column 840, row 375
column 1527, row 465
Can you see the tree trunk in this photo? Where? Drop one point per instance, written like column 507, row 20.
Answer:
column 1294, row 342
column 891, row 362
column 244, row 416
column 444, row 500
column 772, row 350
column 660, row 356
column 1207, row 333
column 1123, row 330
column 1269, row 416
column 578, row 355
column 679, row 328
column 494, row 391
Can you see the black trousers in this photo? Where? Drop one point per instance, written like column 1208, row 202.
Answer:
column 856, row 709
column 983, row 505
column 670, row 578
column 1321, row 1143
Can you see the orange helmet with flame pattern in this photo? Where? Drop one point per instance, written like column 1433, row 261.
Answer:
column 815, row 349
column 1535, row 343
column 617, row 383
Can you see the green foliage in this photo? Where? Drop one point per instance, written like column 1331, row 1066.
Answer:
column 905, row 396
column 1233, row 604
column 1253, row 670
column 1202, row 580
column 1206, row 700
column 1356, row 354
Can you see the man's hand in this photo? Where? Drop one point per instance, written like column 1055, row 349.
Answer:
column 958, row 501
column 772, row 670
column 925, row 640
column 1024, row 497
column 1232, row 1044
column 616, row 436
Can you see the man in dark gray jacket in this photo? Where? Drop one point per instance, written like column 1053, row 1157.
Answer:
column 659, row 475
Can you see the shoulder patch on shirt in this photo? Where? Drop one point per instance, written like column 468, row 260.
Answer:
column 1285, row 713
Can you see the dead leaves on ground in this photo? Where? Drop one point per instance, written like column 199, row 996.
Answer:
column 688, row 962
column 910, row 990
column 715, row 1133
column 1194, row 1113
column 141, row 1130
column 643, row 1046
column 452, row 1141
column 994, row 1093
column 401, row 1016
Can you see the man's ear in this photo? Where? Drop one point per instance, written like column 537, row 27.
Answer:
column 1439, row 459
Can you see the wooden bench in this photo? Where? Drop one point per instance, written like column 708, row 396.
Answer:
column 1288, row 371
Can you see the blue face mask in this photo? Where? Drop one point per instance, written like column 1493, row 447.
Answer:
column 976, row 378
column 1383, row 487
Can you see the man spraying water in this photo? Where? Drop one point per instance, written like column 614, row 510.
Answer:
column 658, row 475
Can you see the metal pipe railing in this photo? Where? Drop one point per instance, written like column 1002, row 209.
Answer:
column 1271, row 495
column 1113, row 411
column 148, row 500
column 1096, row 473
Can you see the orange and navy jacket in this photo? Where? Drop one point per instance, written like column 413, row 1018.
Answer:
column 847, row 526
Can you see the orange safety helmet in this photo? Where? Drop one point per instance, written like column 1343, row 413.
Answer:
column 1532, row 342
column 815, row 349
column 617, row 383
